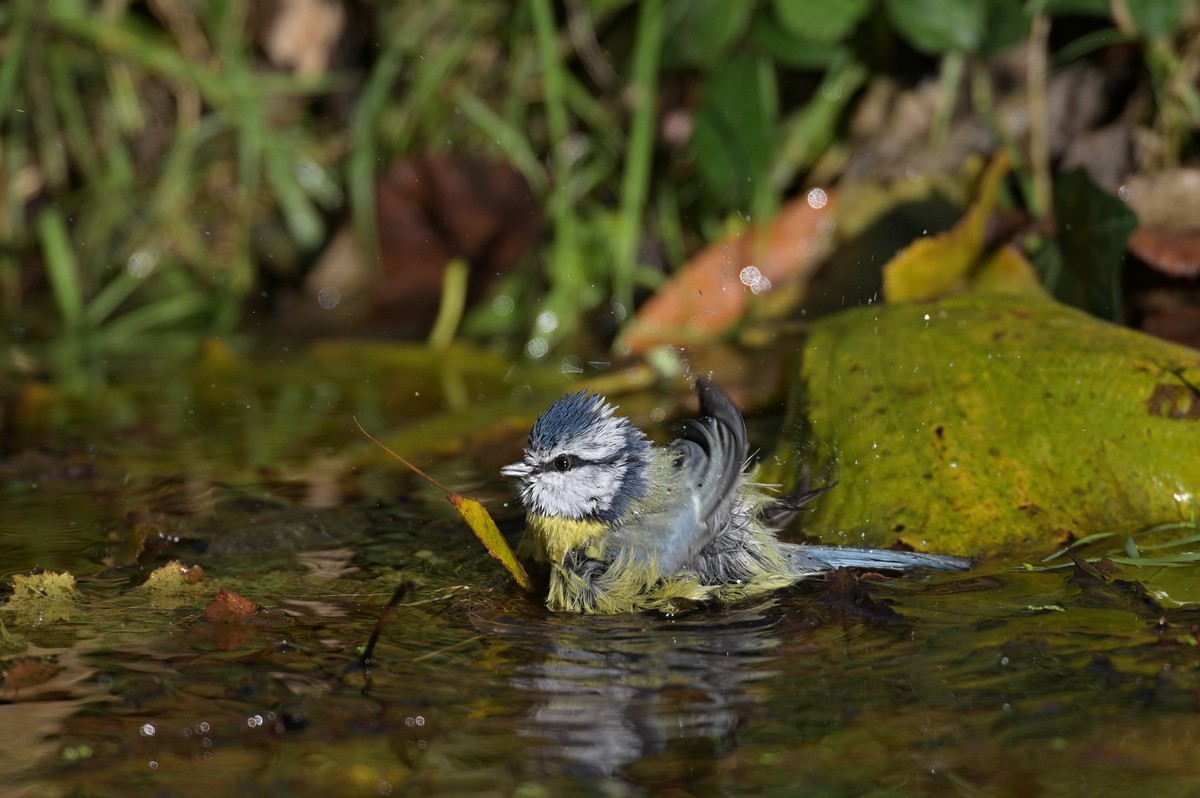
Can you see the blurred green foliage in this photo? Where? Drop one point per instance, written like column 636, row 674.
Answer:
column 157, row 166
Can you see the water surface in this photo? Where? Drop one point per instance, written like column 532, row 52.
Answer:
column 1000, row 681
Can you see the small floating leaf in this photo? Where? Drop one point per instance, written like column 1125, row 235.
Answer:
column 45, row 586
column 174, row 578
column 1045, row 608
column 229, row 607
column 42, row 598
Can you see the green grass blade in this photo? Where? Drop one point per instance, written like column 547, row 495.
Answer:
column 635, row 182
column 299, row 213
column 566, row 269
column 453, row 304
column 14, row 53
column 170, row 311
column 361, row 166
column 110, row 297
column 511, row 141
column 61, row 268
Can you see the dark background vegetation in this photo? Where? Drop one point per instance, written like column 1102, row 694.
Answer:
column 177, row 170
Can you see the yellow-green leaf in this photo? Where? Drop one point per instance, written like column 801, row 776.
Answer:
column 42, row 598
column 988, row 420
column 943, row 264
column 481, row 523
column 46, row 586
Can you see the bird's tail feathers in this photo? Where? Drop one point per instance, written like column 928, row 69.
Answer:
column 827, row 558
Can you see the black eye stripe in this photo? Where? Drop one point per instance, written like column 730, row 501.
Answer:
column 566, row 462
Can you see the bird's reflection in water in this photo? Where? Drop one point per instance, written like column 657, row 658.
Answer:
column 611, row 691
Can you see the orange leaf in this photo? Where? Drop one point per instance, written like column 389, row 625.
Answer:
column 229, row 607
column 708, row 295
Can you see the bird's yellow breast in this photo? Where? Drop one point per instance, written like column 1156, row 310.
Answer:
column 548, row 538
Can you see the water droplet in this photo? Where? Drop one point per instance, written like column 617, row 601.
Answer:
column 141, row 263
column 503, row 305
column 547, row 321
column 329, row 297
column 537, row 348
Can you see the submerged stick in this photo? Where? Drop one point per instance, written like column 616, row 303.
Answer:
column 402, row 590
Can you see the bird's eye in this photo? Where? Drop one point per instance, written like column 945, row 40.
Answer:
column 562, row 463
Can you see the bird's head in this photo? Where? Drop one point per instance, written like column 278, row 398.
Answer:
column 582, row 462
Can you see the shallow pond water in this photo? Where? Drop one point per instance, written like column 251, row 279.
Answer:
column 1000, row 681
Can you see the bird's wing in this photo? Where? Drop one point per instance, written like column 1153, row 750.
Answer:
column 810, row 559
column 709, row 457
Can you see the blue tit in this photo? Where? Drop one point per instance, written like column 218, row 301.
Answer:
column 617, row 524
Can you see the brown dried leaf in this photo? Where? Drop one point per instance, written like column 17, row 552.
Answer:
column 229, row 607
column 25, row 672
column 302, row 34
column 1173, row 252
column 1165, row 199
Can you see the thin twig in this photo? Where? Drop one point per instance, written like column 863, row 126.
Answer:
column 412, row 467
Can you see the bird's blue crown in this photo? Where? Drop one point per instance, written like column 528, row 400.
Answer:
column 569, row 419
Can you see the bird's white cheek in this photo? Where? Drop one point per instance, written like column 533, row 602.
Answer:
column 571, row 495
column 546, row 498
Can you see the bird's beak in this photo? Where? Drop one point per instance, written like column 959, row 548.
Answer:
column 517, row 470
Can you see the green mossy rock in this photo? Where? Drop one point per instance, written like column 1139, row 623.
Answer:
column 986, row 421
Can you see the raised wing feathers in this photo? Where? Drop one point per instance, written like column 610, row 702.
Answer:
column 710, row 454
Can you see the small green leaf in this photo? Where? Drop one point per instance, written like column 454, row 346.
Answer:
column 701, row 32
column 791, row 50
column 46, row 586
column 1006, row 25
column 940, row 26
column 734, row 137
column 821, row 20
column 1083, row 267
column 1156, row 18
